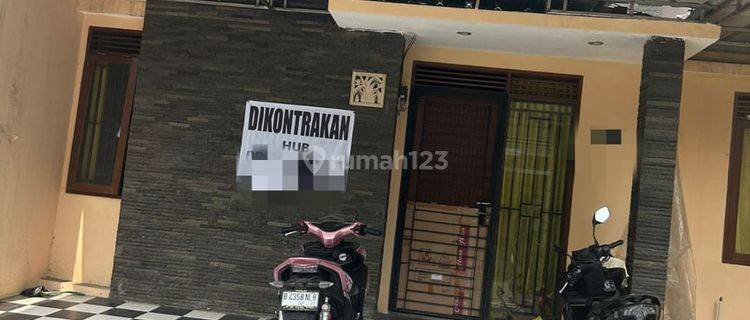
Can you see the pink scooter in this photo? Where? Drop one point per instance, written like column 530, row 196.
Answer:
column 329, row 280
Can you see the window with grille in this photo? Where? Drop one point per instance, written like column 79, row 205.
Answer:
column 103, row 118
column 737, row 223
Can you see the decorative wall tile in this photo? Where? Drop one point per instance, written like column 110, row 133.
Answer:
column 368, row 89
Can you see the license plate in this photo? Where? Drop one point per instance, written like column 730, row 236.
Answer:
column 299, row 300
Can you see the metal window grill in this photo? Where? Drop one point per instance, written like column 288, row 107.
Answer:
column 742, row 106
column 317, row 5
column 106, row 40
column 463, row 79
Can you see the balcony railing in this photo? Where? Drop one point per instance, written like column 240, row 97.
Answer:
column 315, row 5
column 623, row 8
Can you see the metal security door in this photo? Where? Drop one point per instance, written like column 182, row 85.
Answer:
column 531, row 209
column 442, row 261
column 441, row 270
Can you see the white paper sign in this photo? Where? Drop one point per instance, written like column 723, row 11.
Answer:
column 292, row 147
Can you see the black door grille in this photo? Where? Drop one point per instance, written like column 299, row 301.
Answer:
column 531, row 208
column 462, row 79
column 442, row 261
column 536, row 86
column 437, row 222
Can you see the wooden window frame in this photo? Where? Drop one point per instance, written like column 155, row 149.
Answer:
column 739, row 125
column 92, row 58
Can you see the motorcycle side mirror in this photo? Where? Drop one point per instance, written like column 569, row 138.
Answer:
column 601, row 215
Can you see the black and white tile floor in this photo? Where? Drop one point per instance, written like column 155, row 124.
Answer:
column 75, row 307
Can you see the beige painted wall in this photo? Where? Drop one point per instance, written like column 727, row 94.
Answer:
column 705, row 130
column 86, row 226
column 122, row 7
column 37, row 72
column 603, row 174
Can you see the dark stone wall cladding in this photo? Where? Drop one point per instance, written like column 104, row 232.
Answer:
column 187, row 236
column 653, row 186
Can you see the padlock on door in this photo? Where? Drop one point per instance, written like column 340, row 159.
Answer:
column 484, row 212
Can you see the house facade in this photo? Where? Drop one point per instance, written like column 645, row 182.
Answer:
column 121, row 124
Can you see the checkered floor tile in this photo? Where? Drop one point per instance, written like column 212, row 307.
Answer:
column 75, row 307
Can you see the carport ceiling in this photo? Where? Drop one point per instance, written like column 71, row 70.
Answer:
column 734, row 18
column 732, row 15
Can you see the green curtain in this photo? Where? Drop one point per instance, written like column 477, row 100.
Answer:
column 538, row 146
column 742, row 240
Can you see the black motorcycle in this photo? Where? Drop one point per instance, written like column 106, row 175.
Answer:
column 594, row 285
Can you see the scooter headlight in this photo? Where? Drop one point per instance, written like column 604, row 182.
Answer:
column 325, row 284
column 277, row 284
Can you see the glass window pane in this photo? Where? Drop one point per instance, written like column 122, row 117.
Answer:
column 101, row 130
column 742, row 244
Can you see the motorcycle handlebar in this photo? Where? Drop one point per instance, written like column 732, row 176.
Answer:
column 289, row 229
column 604, row 251
column 374, row 232
column 364, row 230
column 615, row 244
